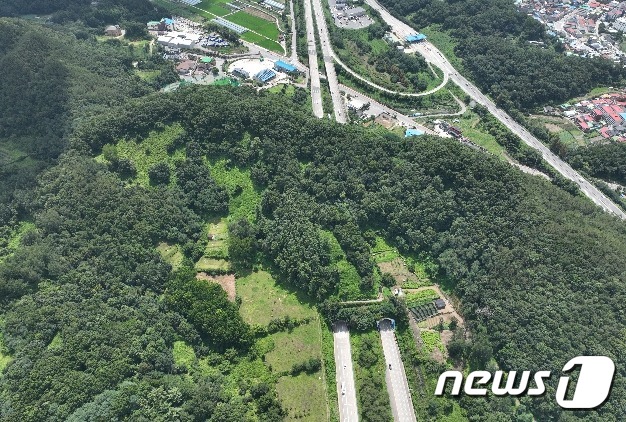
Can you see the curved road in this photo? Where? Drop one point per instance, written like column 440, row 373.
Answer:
column 433, row 55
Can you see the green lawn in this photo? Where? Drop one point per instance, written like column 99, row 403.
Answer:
column 255, row 23
column 244, row 197
column 215, row 7
column 263, row 42
column 263, row 300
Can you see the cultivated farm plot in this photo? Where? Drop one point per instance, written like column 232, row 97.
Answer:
column 255, row 23
column 216, row 7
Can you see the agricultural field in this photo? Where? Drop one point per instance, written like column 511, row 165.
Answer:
column 171, row 254
column 262, row 26
column 215, row 7
column 566, row 130
column 431, row 340
column 244, row 197
column 383, row 252
column 262, row 300
column 420, row 297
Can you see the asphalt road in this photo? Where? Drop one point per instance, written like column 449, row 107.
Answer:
column 397, row 385
column 434, row 56
column 329, row 64
column 346, row 392
column 316, row 92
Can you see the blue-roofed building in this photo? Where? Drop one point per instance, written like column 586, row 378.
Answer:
column 265, row 75
column 415, row 38
column 281, row 66
column 168, row 21
column 413, row 132
column 623, row 115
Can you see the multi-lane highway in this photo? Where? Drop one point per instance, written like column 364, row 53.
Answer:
column 397, row 385
column 316, row 91
column 346, row 392
column 433, row 55
column 329, row 63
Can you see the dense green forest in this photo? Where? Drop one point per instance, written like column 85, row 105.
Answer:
column 492, row 40
column 540, row 272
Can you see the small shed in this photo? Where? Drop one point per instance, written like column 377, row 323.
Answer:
column 440, row 304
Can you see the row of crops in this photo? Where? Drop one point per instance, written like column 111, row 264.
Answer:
column 423, row 312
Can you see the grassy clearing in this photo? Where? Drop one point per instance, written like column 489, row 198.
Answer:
column 369, row 370
column 211, row 265
column 292, row 390
column 255, row 23
column 152, row 150
column 183, row 354
column 468, row 123
column 5, row 359
column 383, row 252
column 11, row 237
column 244, row 197
column 263, row 300
column 10, row 154
column 284, row 89
column 171, row 254
column 217, row 233
column 349, row 280
column 148, row 75
column 261, row 41
column 293, row 347
column 431, row 340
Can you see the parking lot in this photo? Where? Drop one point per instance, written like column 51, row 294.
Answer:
column 347, row 16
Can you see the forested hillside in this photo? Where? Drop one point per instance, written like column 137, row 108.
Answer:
column 492, row 39
column 540, row 272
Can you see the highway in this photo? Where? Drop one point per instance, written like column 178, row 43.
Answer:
column 316, row 91
column 346, row 392
column 397, row 385
column 433, row 55
column 329, row 64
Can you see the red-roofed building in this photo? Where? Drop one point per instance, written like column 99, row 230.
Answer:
column 582, row 124
column 611, row 116
column 605, row 132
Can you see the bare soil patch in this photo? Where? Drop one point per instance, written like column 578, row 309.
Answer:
column 259, row 14
column 226, row 281
column 398, row 270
